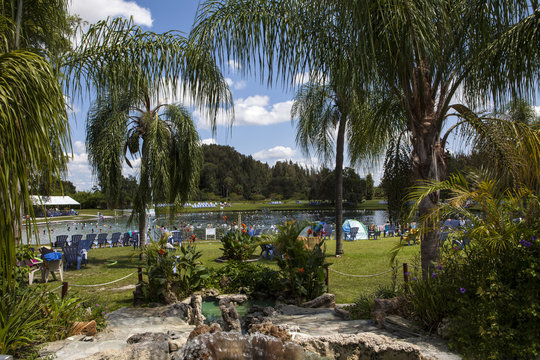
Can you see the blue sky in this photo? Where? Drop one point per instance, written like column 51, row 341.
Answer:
column 262, row 125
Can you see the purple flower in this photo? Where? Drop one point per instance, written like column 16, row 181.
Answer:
column 455, row 247
column 433, row 275
column 462, row 290
column 439, row 267
column 406, row 273
column 525, row 243
column 534, row 238
column 414, row 279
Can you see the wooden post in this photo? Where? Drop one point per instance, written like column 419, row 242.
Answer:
column 139, row 271
column 64, row 289
column 405, row 273
column 326, row 278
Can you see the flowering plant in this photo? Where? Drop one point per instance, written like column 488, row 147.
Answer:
column 238, row 244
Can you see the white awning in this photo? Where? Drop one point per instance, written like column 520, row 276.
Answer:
column 53, row 200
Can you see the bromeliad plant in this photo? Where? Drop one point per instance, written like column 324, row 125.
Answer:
column 238, row 244
column 302, row 268
column 171, row 272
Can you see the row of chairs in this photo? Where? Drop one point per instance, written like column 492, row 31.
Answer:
column 99, row 239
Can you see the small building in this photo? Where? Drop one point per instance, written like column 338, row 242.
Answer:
column 55, row 205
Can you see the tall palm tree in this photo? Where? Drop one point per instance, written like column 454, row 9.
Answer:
column 165, row 138
column 33, row 119
column 423, row 51
column 327, row 115
column 130, row 70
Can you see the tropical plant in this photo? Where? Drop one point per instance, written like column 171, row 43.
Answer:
column 131, row 71
column 301, row 267
column 421, row 52
column 238, row 244
column 190, row 270
column 35, row 131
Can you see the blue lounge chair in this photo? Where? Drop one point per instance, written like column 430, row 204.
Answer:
column 83, row 249
column 61, row 240
column 115, row 239
column 91, row 237
column 350, row 236
column 75, row 239
column 102, row 239
column 72, row 256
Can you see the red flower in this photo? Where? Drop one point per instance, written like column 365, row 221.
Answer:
column 310, row 231
column 243, row 231
column 301, row 270
column 243, row 225
column 161, row 251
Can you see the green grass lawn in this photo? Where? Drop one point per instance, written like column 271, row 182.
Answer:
column 361, row 257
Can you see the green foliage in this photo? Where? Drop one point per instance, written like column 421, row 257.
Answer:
column 238, row 244
column 362, row 307
column 60, row 314
column 302, row 269
column 190, row 270
column 250, row 278
column 170, row 270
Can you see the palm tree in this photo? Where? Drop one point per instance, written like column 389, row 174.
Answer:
column 322, row 109
column 165, row 138
column 422, row 51
column 33, row 119
column 130, row 70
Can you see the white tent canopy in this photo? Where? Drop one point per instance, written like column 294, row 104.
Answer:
column 362, row 233
column 53, row 200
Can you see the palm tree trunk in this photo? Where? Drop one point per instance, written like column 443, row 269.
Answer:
column 428, row 165
column 339, row 185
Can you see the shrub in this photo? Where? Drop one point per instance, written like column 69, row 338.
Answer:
column 249, row 277
column 302, row 269
column 171, row 271
column 238, row 244
column 490, row 299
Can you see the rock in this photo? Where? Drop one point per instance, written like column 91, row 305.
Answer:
column 323, row 301
column 158, row 350
column 88, row 328
column 235, row 346
column 236, row 298
column 138, row 295
column 147, row 336
column 443, row 328
column 88, row 339
column 268, row 328
column 385, row 307
column 360, row 346
column 197, row 317
column 209, row 293
column 179, row 309
column 175, row 345
column 400, row 326
column 342, row 313
column 231, row 320
column 170, row 298
column 203, row 329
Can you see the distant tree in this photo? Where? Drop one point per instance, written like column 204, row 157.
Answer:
column 369, row 187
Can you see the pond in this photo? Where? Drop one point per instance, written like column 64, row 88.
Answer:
column 212, row 312
column 198, row 222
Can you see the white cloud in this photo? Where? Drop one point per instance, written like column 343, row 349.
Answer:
column 239, row 85
column 253, row 110
column 277, row 153
column 80, row 172
column 95, row 10
column 79, row 147
column 208, row 141
column 234, row 66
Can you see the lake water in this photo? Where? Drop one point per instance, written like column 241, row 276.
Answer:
column 200, row 221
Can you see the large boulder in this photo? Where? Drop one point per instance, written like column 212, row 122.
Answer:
column 361, row 346
column 385, row 307
column 235, row 346
column 267, row 328
column 197, row 317
column 323, row 301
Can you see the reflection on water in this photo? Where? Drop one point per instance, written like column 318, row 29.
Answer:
column 199, row 222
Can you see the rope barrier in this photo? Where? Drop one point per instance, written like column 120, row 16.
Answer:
column 363, row 276
column 107, row 283
column 50, row 291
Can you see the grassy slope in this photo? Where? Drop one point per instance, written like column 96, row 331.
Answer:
column 361, row 257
